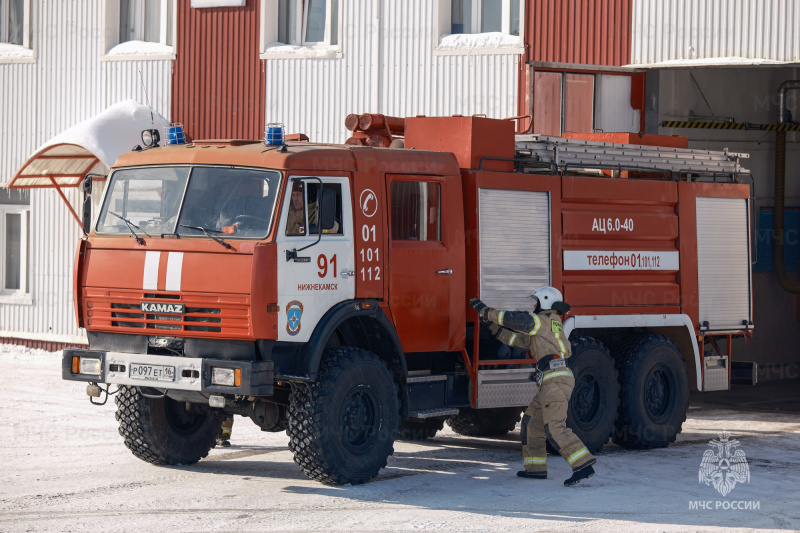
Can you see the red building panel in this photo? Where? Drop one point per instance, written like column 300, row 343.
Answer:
column 218, row 79
column 585, row 32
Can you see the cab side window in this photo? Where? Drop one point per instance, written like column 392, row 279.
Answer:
column 303, row 213
column 416, row 211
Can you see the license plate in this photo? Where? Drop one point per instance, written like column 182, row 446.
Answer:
column 152, row 372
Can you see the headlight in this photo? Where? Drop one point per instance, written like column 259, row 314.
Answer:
column 227, row 377
column 150, row 138
column 90, row 366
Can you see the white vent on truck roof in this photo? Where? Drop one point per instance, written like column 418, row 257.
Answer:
column 723, row 263
column 514, row 246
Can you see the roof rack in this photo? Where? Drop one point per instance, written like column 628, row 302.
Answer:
column 561, row 152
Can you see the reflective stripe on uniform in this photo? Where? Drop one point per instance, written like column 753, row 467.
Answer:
column 577, row 455
column 500, row 316
column 561, row 346
column 512, row 339
column 559, row 373
column 535, row 460
column 537, row 323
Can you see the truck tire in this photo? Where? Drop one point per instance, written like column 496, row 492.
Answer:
column 163, row 431
column 595, row 398
column 654, row 393
column 342, row 427
column 485, row 422
column 416, row 429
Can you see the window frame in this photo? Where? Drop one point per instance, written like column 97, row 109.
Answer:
column 111, row 33
column 306, row 180
column 563, row 103
column 21, row 53
column 444, row 28
column 24, row 292
column 272, row 48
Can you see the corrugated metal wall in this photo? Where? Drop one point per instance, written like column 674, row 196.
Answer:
column 387, row 65
column 68, row 84
column 218, row 80
column 699, row 29
column 585, row 32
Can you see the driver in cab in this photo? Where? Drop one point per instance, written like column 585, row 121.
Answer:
column 296, row 219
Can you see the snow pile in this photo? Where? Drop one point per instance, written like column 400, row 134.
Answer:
column 301, row 51
column 472, row 41
column 10, row 51
column 709, row 62
column 139, row 48
column 113, row 132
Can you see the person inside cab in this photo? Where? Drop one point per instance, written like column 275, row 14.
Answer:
column 296, row 218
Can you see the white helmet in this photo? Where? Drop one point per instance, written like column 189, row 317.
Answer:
column 547, row 296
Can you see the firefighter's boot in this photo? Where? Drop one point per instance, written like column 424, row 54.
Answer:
column 584, row 473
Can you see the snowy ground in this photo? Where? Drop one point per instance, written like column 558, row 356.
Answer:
column 65, row 469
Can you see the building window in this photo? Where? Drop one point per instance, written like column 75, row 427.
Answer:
column 576, row 102
column 308, row 22
column 15, row 16
column 15, row 220
column 416, row 211
column 146, row 20
column 12, row 21
column 300, row 28
column 140, row 29
column 484, row 16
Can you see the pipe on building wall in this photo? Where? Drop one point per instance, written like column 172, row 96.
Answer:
column 780, row 190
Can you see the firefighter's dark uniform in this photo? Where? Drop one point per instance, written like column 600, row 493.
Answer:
column 546, row 416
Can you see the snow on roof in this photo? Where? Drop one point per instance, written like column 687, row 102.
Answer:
column 65, row 158
column 473, row 41
column 709, row 62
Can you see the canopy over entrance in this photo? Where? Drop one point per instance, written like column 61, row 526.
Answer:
column 91, row 146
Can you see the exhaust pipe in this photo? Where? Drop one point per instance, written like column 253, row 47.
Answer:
column 780, row 190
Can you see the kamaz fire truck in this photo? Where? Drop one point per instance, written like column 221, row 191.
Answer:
column 323, row 289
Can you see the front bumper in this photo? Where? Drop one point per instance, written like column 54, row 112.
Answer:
column 190, row 374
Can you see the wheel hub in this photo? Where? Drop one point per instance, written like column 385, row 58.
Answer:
column 657, row 393
column 358, row 420
column 181, row 419
column 586, row 399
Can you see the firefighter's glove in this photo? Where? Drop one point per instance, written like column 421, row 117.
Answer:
column 480, row 307
column 562, row 308
column 544, row 363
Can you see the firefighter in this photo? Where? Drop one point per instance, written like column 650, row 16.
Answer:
column 296, row 221
column 224, row 438
column 545, row 419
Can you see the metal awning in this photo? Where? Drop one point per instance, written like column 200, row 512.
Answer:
column 90, row 147
column 59, row 165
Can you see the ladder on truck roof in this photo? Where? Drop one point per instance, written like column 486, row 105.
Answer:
column 562, row 153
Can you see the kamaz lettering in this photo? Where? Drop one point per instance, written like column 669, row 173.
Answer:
column 167, row 309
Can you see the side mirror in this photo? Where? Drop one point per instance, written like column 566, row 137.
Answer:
column 87, row 215
column 326, row 200
column 87, row 184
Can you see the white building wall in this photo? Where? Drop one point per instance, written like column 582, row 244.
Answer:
column 68, row 83
column 667, row 30
column 387, row 65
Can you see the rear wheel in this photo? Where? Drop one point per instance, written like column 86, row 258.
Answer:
column 419, row 429
column 654, row 393
column 485, row 422
column 595, row 398
column 163, row 431
column 342, row 427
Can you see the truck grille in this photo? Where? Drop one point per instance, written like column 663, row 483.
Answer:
column 224, row 315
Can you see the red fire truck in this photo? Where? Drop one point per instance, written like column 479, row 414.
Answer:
column 323, row 289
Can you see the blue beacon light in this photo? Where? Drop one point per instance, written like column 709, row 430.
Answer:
column 175, row 134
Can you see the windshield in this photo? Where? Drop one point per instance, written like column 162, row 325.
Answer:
column 191, row 201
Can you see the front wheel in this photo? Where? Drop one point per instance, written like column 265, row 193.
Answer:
column 163, row 431
column 342, row 427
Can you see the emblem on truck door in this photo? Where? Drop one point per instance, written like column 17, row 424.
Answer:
column 164, row 309
column 294, row 311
